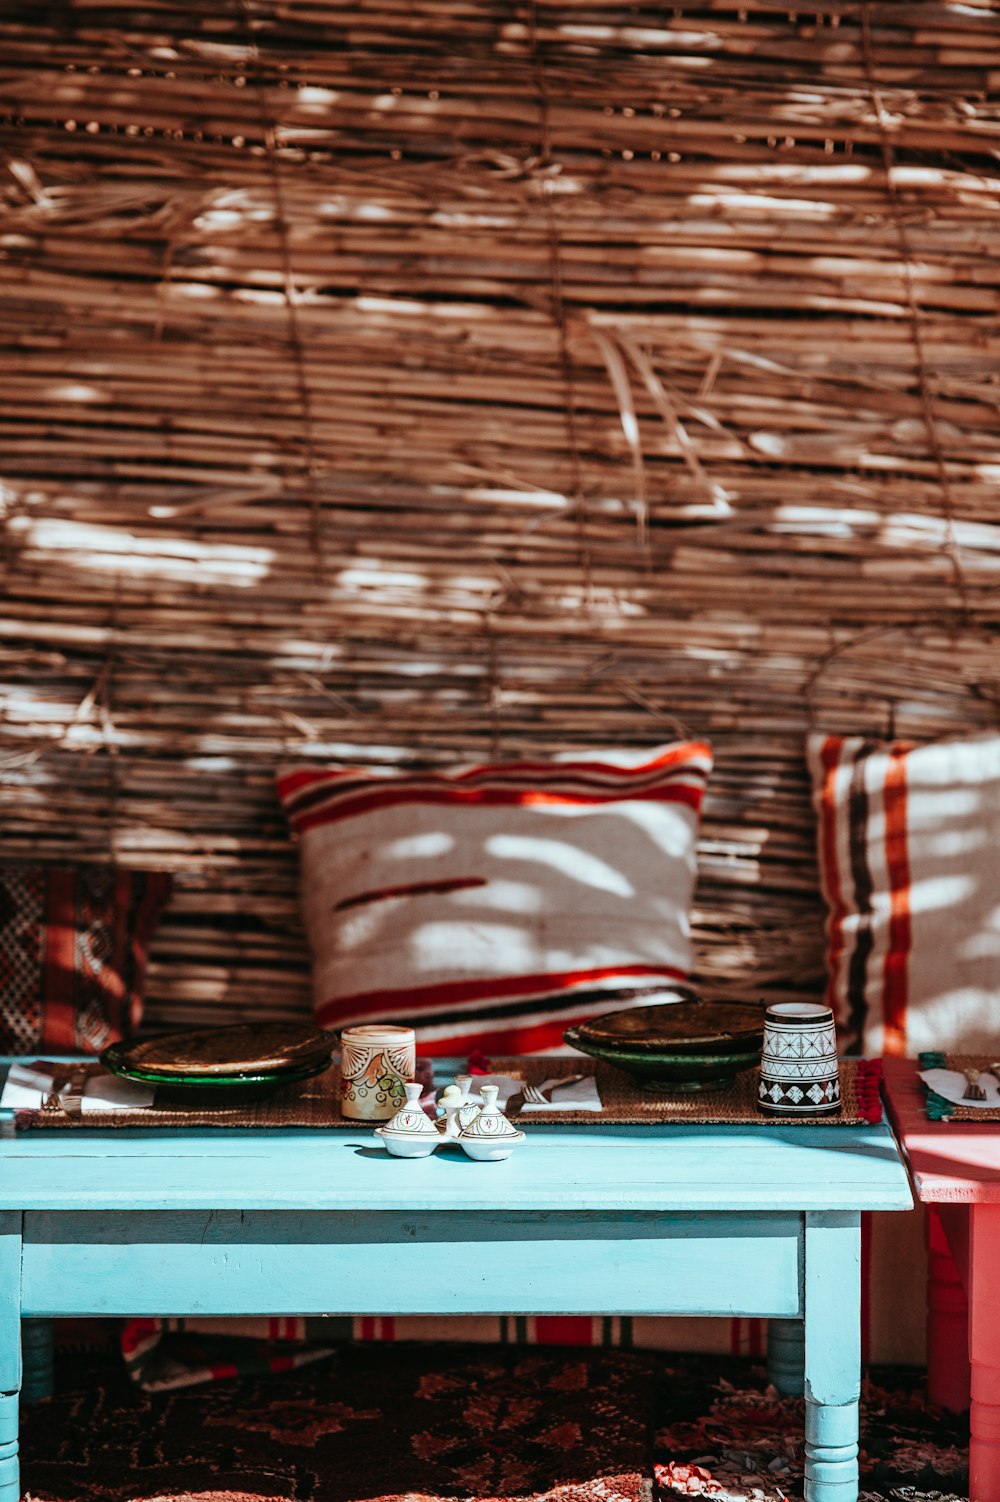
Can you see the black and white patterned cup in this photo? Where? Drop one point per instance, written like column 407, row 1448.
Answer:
column 799, row 1071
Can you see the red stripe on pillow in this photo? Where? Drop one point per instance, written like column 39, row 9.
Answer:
column 335, row 789
column 897, row 858
column 502, row 1035
column 686, row 753
column 441, row 888
column 829, row 758
column 350, row 806
column 496, row 989
column 670, row 756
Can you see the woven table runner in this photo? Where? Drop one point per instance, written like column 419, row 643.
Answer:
column 316, row 1103
column 940, row 1109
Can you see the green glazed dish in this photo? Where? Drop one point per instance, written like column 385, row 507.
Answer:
column 243, row 1048
column 683, row 1045
column 115, row 1065
column 209, row 1090
column 653, row 1069
column 216, row 1064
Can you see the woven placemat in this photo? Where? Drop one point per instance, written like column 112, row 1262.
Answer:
column 316, row 1103
column 940, row 1109
column 310, row 1103
column 625, row 1102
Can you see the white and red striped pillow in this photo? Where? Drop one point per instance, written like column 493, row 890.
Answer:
column 492, row 906
column 909, row 852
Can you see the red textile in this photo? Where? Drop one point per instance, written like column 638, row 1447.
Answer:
column 73, row 952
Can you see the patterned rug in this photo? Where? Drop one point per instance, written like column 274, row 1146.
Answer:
column 420, row 1423
column 368, row 1423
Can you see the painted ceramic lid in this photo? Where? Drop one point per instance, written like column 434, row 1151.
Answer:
column 490, row 1122
column 410, row 1120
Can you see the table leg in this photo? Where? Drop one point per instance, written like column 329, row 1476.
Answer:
column 10, row 1352
column 37, row 1360
column 832, row 1291
column 948, row 1373
column 786, row 1355
column 984, row 1350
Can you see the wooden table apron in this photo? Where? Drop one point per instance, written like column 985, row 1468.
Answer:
column 755, row 1221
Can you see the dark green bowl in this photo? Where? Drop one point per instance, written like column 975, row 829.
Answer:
column 657, row 1069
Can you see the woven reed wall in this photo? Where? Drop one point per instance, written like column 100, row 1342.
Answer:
column 405, row 382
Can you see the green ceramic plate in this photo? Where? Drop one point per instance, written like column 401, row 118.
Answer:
column 660, row 1069
column 113, row 1060
column 242, row 1048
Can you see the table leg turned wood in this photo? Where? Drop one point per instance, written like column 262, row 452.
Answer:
column 984, row 1350
column 948, row 1375
column 10, row 1352
column 832, row 1279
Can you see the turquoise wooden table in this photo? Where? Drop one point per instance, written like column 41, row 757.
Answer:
column 755, row 1221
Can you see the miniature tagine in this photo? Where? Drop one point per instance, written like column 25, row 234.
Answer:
column 489, row 1136
column 410, row 1133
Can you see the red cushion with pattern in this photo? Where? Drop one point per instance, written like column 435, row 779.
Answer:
column 73, row 952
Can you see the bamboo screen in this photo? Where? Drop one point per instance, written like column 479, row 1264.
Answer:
column 408, row 382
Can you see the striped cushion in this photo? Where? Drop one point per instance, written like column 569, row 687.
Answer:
column 493, row 906
column 908, row 842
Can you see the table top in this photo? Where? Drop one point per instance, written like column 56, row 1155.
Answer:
column 956, row 1162
column 599, row 1168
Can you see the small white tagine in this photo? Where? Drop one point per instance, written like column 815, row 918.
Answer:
column 410, row 1133
column 490, row 1137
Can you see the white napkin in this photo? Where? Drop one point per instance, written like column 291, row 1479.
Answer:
column 582, row 1095
column 506, row 1085
column 27, row 1086
column 952, row 1084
